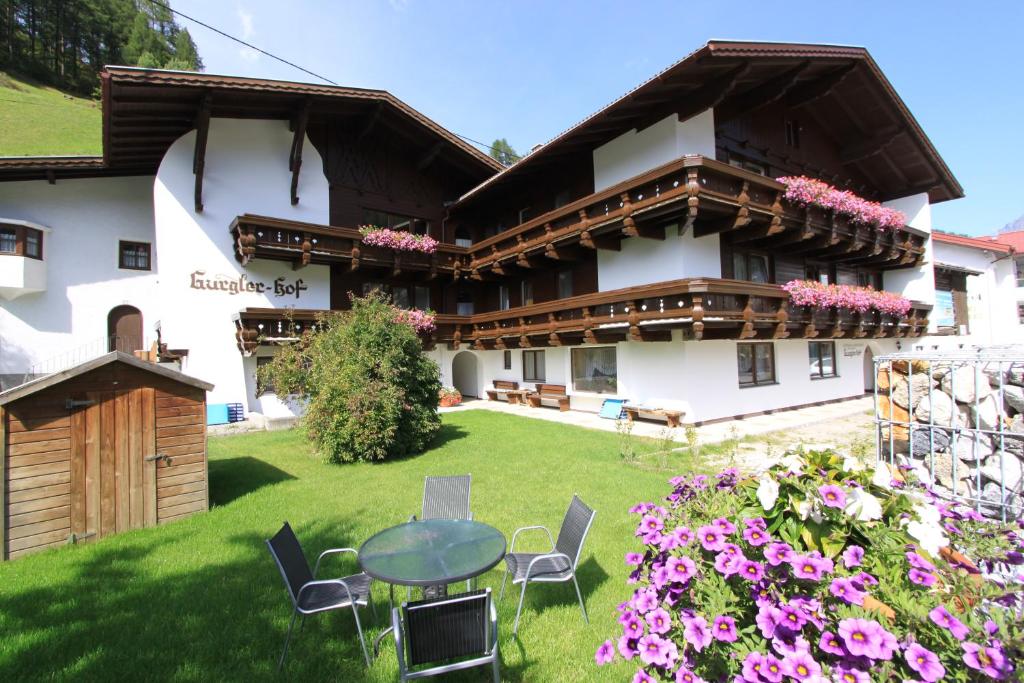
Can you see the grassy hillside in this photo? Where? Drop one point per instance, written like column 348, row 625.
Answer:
column 40, row 120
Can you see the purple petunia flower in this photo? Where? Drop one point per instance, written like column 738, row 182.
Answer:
column 771, row 670
column 634, row 559
column 853, row 556
column 626, row 647
column 952, row 528
column 605, row 653
column 924, row 662
column 684, row 675
column 988, row 660
column 642, row 676
column 650, row 523
column 756, row 537
column 921, row 578
column 849, row 674
column 711, row 538
column 792, row 618
column 725, row 526
column 645, row 600
column 726, row 564
column 777, row 553
column 659, row 620
column 751, row 571
column 887, row 645
column 861, row 637
column 752, row 666
column 632, row 627
column 807, row 567
column 767, row 620
column 991, row 627
column 865, row 579
column 801, row 666
column 844, row 589
column 724, row 629
column 696, row 632
column 626, row 614
column 755, row 523
column 918, row 562
column 830, row 643
column 941, row 617
column 683, row 535
column 653, row 649
column 680, row 569
column 832, row 496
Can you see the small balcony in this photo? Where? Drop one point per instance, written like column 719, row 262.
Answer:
column 22, row 268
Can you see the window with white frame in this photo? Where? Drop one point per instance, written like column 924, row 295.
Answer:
column 822, row 358
column 594, row 369
column 503, row 300
column 533, row 366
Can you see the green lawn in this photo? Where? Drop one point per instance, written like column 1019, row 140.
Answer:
column 40, row 120
column 201, row 599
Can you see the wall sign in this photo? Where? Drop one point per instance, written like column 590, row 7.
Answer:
column 240, row 284
column 850, row 351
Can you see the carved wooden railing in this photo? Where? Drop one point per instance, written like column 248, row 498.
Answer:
column 705, row 195
column 703, row 308
column 305, row 243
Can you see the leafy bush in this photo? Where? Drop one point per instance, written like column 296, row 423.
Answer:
column 369, row 391
column 820, row 570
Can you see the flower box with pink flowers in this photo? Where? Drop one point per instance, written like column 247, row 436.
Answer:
column 398, row 240
column 820, row 569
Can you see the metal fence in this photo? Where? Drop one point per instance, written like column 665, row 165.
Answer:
column 957, row 418
column 76, row 355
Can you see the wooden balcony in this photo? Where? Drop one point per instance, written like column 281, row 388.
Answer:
column 702, row 308
column 305, row 243
column 706, row 196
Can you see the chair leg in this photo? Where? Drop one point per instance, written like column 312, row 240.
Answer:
column 580, row 596
column 497, row 667
column 359, row 630
column 287, row 639
column 503, row 580
column 519, row 610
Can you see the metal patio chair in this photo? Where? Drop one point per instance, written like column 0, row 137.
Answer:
column 446, row 498
column 310, row 596
column 555, row 566
column 439, row 630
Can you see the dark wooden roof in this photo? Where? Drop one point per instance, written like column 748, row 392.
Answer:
column 47, row 381
column 841, row 87
column 146, row 110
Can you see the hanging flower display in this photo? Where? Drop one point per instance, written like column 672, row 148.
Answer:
column 421, row 321
column 860, row 299
column 398, row 240
column 810, row 192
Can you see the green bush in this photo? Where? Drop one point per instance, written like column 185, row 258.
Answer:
column 369, row 391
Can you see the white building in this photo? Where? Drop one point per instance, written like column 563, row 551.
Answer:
column 639, row 255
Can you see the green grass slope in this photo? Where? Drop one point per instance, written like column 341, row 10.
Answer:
column 39, row 120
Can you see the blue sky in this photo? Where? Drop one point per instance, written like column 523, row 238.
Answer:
column 527, row 70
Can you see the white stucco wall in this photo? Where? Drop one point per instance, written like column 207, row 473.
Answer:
column 87, row 218
column 643, row 261
column 634, row 152
column 916, row 283
column 246, row 172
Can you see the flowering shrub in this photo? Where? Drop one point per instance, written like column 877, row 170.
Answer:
column 808, row 191
column 421, row 321
column 860, row 299
column 449, row 396
column 819, row 570
column 397, row 239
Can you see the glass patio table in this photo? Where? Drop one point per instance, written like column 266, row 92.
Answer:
column 432, row 553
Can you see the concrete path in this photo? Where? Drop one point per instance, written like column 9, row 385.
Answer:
column 783, row 421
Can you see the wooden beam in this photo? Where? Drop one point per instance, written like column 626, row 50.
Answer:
column 431, row 154
column 371, row 122
column 806, row 93
column 708, row 96
column 202, row 126
column 298, row 140
column 863, row 149
column 3, row 483
column 764, row 94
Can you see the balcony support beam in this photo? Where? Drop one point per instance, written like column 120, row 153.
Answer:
column 202, row 125
column 298, row 126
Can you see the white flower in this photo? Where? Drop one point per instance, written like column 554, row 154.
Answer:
column 863, row 506
column 768, row 492
column 793, row 463
column 929, row 536
column 803, row 508
column 928, row 514
column 851, row 464
column 816, row 513
column 882, row 476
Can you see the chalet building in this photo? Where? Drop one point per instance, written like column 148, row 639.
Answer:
column 640, row 254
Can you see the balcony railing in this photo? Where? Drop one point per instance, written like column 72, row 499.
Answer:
column 707, row 196
column 702, row 308
column 305, row 243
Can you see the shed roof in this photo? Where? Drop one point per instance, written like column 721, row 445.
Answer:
column 986, row 243
column 56, row 378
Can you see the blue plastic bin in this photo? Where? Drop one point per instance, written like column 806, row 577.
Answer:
column 217, row 413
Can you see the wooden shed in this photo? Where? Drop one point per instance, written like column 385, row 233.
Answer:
column 113, row 444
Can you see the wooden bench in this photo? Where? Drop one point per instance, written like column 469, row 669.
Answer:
column 508, row 388
column 549, row 392
column 672, row 417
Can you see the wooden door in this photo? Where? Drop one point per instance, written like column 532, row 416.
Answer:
column 113, row 466
column 124, row 329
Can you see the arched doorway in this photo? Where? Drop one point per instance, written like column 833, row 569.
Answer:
column 124, row 329
column 464, row 374
column 869, row 370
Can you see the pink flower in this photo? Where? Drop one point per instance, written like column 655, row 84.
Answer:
column 777, row 553
column 921, row 578
column 634, row 559
column 988, row 660
column 830, row 643
column 767, row 620
column 653, row 649
column 725, row 525
column 849, row 674
column 632, row 628
column 751, row 571
column 861, row 637
column 696, row 632
column 683, row 535
column 398, row 240
column 844, row 589
column 659, row 620
column 918, row 562
column 724, row 629
column 940, row 616
column 605, row 653
column 807, row 567
column 853, row 556
column 726, row 564
column 680, row 569
column 642, row 676
column 832, row 496
column 626, row 647
column 924, row 662
column 756, row 537
column 711, row 538
column 801, row 666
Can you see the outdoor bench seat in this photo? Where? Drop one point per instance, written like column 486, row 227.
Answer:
column 672, row 417
column 507, row 388
column 550, row 392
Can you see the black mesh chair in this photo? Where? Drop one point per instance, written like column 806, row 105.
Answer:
column 310, row 596
column 555, row 566
column 446, row 497
column 449, row 633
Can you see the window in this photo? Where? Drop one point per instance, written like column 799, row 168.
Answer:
column 564, row 284
column 400, row 297
column 594, row 370
column 524, row 215
column 751, row 267
column 868, row 278
column 818, row 273
column 527, row 293
column 561, row 199
column 464, row 302
column 822, row 357
column 503, row 303
column 421, row 297
column 394, row 221
column 1018, row 262
column 756, row 364
column 463, row 238
column 533, row 366
column 507, row 360
column 21, row 241
column 793, row 133
column 261, row 362
column 748, row 164
column 133, row 255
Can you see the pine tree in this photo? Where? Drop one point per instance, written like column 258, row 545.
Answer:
column 503, row 152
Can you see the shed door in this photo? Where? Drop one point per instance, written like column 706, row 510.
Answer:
column 113, row 470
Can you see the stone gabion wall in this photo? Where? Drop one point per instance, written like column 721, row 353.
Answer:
column 959, row 421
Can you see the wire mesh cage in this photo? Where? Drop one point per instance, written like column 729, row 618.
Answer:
column 957, row 419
